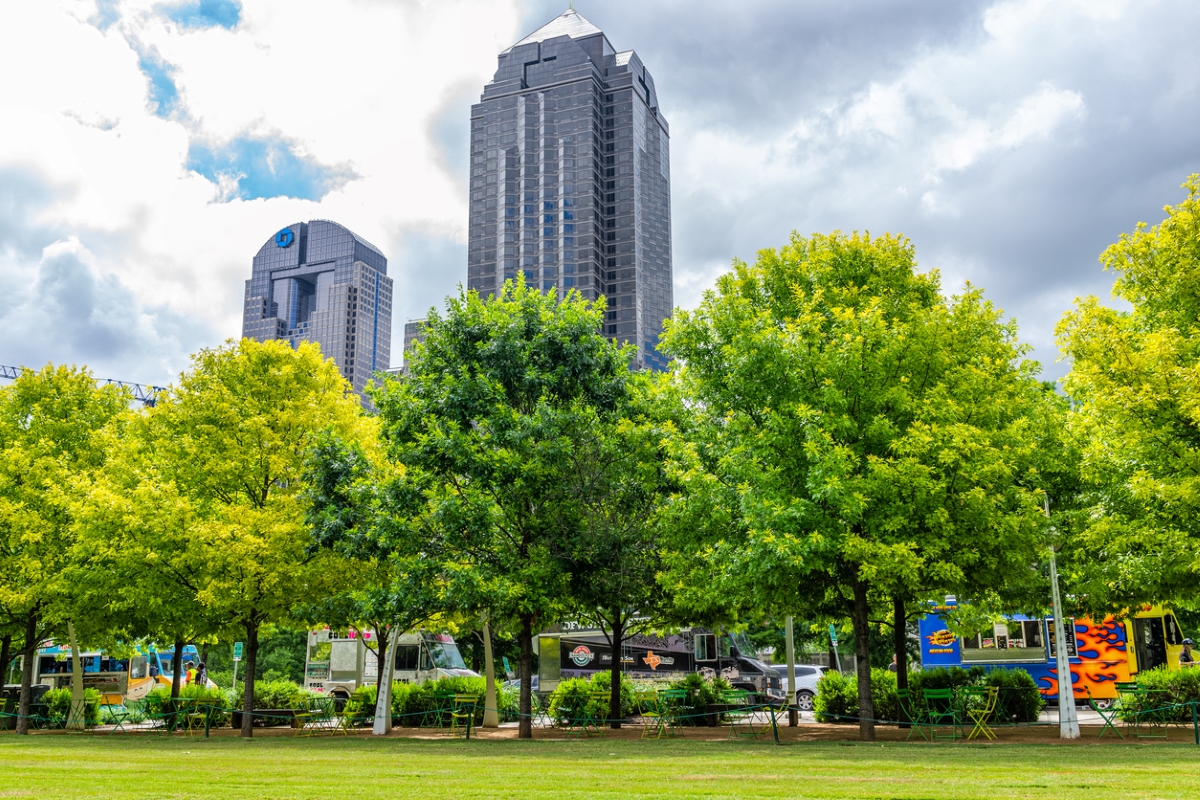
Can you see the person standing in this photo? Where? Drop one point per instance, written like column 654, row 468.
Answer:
column 202, row 675
column 190, row 674
column 1186, row 657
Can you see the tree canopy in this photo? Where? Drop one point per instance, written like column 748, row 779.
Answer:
column 861, row 434
column 50, row 443
column 488, row 424
column 1137, row 418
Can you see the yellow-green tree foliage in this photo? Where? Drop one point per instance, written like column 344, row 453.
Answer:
column 1135, row 381
column 208, row 486
column 49, row 442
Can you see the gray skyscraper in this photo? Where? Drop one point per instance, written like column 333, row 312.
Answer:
column 320, row 282
column 570, row 179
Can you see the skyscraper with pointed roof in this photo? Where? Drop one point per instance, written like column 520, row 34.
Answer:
column 570, row 179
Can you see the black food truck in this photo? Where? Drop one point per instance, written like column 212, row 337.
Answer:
column 576, row 652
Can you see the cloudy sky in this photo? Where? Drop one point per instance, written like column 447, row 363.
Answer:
column 149, row 147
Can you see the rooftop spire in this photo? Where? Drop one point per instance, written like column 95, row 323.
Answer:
column 569, row 23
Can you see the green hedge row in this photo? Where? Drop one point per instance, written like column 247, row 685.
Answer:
column 575, row 694
column 1018, row 700
column 1169, row 690
column 411, row 700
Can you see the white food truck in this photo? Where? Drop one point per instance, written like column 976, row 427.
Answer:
column 339, row 662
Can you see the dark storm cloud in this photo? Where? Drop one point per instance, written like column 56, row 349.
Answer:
column 1011, row 142
column 60, row 308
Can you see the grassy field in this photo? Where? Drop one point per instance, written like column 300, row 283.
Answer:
column 143, row 767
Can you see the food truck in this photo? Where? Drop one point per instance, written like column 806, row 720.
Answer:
column 1101, row 654
column 579, row 652
column 338, row 662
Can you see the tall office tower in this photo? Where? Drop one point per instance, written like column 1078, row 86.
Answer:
column 320, row 282
column 570, row 179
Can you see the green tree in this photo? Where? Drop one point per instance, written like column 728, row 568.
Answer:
column 49, row 438
column 862, row 438
column 230, row 442
column 614, row 497
column 139, row 554
column 388, row 585
column 486, row 425
column 1137, row 418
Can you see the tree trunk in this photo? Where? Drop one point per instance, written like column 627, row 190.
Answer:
column 381, row 651
column 899, row 635
column 525, row 725
column 614, row 700
column 5, row 657
column 862, row 649
column 248, row 684
column 203, row 655
column 28, row 665
column 476, row 659
column 177, row 668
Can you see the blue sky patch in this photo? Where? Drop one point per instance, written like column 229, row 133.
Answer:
column 164, row 94
column 106, row 14
column 263, row 166
column 204, row 13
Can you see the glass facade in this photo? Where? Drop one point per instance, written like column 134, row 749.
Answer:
column 318, row 281
column 570, row 180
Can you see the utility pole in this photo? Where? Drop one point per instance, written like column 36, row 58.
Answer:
column 1068, row 720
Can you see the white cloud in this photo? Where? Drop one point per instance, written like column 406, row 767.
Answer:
column 352, row 83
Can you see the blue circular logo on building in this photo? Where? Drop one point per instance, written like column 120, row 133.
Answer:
column 284, row 237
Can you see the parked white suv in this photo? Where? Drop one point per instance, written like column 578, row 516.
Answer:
column 807, row 676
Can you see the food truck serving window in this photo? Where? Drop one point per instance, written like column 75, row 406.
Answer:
column 1008, row 640
column 705, row 647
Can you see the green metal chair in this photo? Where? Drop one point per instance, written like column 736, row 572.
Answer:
column 438, row 713
column 942, row 712
column 672, row 705
column 579, row 718
column 1108, row 715
column 909, row 710
column 741, row 717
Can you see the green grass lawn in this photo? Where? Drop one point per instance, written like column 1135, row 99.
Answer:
column 144, row 767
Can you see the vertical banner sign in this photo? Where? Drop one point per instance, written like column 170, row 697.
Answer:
column 833, row 634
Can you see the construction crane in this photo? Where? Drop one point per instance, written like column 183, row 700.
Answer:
column 143, row 393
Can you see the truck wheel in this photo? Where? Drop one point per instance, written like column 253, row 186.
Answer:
column 804, row 700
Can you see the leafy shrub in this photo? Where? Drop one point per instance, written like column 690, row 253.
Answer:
column 1165, row 687
column 410, row 701
column 220, row 700
column 223, row 677
column 837, row 696
column 574, row 696
column 1018, row 700
column 277, row 694
column 700, row 692
column 58, row 706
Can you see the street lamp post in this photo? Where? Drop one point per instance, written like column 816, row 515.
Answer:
column 1068, row 720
